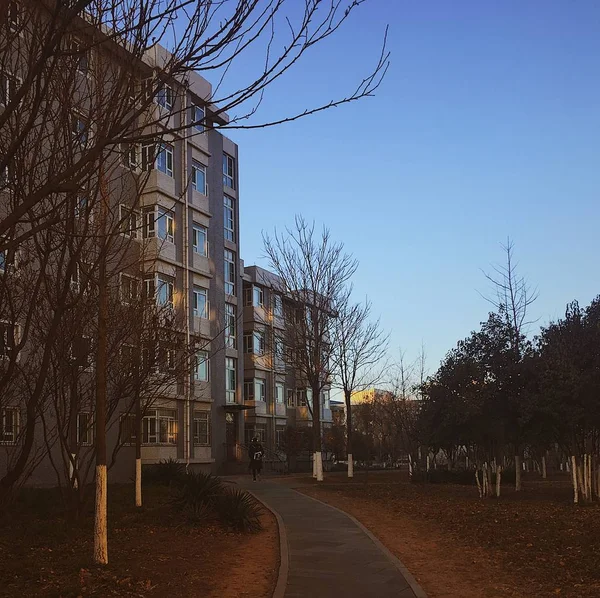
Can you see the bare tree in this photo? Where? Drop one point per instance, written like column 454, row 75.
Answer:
column 313, row 271
column 513, row 296
column 359, row 347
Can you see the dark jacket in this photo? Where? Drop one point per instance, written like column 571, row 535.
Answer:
column 256, row 452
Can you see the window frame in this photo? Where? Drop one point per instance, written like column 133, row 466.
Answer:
column 198, row 291
column 88, row 433
column 229, row 218
column 165, row 151
column 15, row 425
column 197, row 167
column 230, row 272
column 158, row 416
column 127, row 216
column 198, row 230
column 230, row 380
column 199, row 128
column 230, row 325
column 228, row 171
column 201, row 417
column 279, row 386
column 201, row 362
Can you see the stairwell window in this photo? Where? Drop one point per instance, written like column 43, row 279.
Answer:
column 228, row 171
column 260, row 390
column 230, row 379
column 230, row 326
column 165, row 224
column 229, row 218
column 229, row 272
column 279, row 393
column 165, row 97
column 165, row 291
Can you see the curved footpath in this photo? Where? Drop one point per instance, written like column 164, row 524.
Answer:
column 326, row 552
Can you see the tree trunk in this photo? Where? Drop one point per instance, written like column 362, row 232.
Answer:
column 100, row 520
column 478, row 484
column 574, row 471
column 317, row 440
column 498, row 480
column 518, row 473
column 544, row 473
column 138, row 440
column 347, row 397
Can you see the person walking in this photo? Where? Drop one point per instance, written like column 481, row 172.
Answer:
column 255, row 452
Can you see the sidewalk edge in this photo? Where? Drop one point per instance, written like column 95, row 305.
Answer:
column 412, row 582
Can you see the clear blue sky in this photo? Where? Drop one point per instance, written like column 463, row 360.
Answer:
column 487, row 125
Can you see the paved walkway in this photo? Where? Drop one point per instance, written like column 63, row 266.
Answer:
column 329, row 554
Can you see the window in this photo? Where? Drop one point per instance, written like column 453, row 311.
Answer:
column 170, row 359
column 129, row 288
column 80, row 352
column 80, row 57
column 301, row 397
column 325, row 399
column 76, row 278
column 9, row 425
column 129, row 222
column 79, row 130
column 165, row 97
column 291, row 398
column 201, row 366
column 229, row 272
column 230, row 380
column 200, row 302
column 85, row 429
column 161, row 226
column 200, row 240
column 165, row 289
column 309, row 396
column 201, row 428
column 199, row 177
column 258, row 342
column 148, row 156
column 8, row 88
column 260, row 390
column 166, row 224
column 228, row 171
column 164, row 159
column 127, row 428
column 249, row 390
column 257, row 297
column 3, row 260
column 280, row 437
column 129, row 155
column 277, row 306
column 82, row 206
column 279, row 392
column 159, row 426
column 248, row 343
column 197, row 115
column 230, row 325
column 229, row 218
column 279, row 349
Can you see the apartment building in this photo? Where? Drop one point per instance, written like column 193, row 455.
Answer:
column 276, row 395
column 177, row 199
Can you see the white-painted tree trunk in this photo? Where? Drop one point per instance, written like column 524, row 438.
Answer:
column 138, row 482
column 427, row 461
column 574, row 471
column 568, row 467
column 544, row 472
column 410, row 469
column 100, row 522
column 484, row 479
column 517, row 473
column 319, row 466
column 586, row 487
column 72, row 471
column 467, row 461
column 498, row 479
column 314, row 465
column 350, row 466
column 478, row 484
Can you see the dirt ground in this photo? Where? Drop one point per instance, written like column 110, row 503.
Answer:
column 524, row 545
column 152, row 552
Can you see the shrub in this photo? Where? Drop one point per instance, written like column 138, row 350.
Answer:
column 164, row 473
column 197, row 495
column 240, row 511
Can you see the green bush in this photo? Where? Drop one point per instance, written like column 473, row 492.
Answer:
column 240, row 511
column 197, row 495
column 164, row 473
